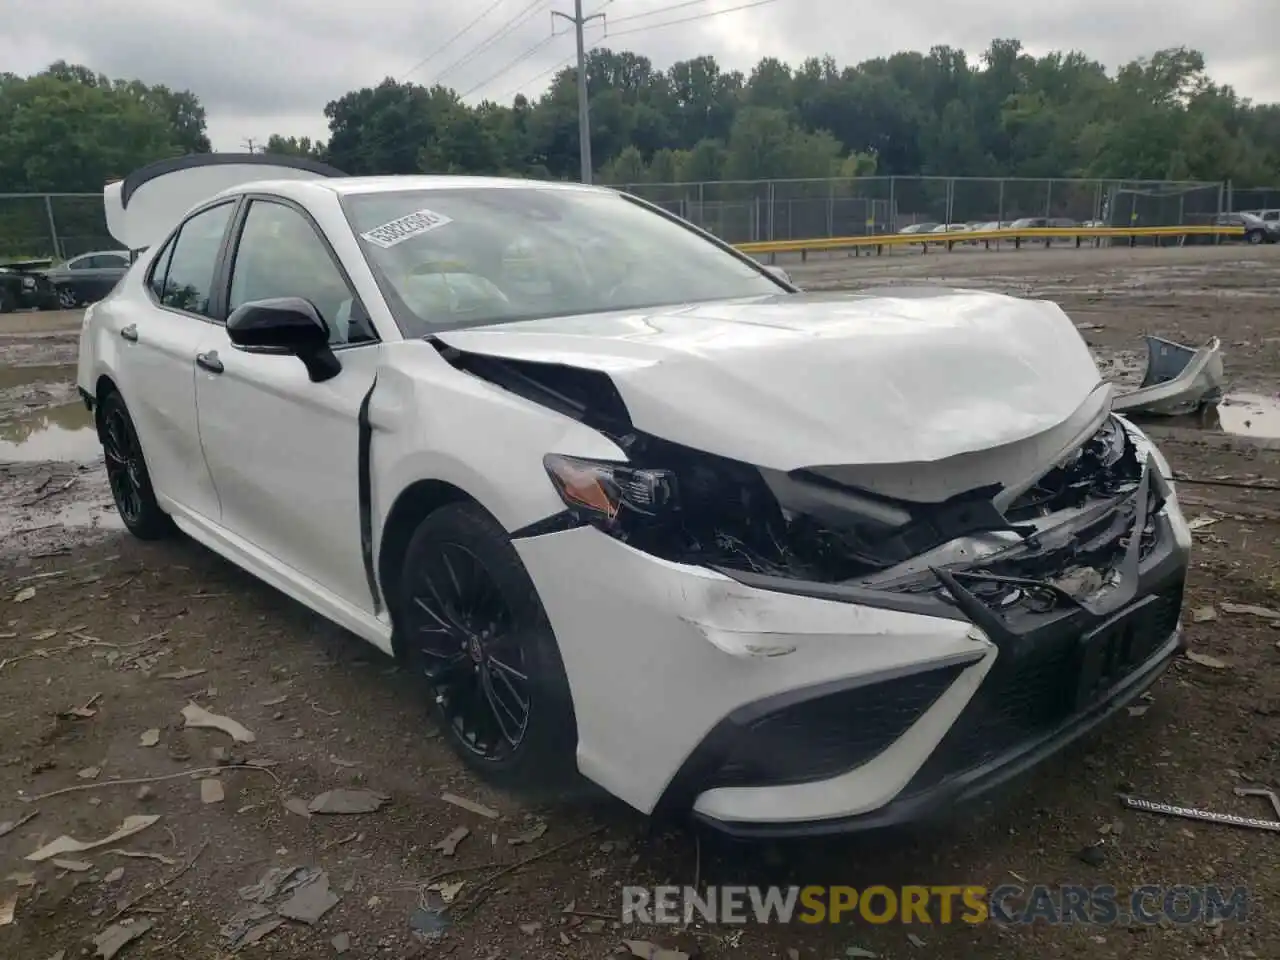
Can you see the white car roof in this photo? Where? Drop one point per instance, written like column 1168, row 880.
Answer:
column 350, row 186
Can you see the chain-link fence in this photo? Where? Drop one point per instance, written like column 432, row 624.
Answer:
column 753, row 211
column 52, row 225
column 61, row 225
column 1253, row 198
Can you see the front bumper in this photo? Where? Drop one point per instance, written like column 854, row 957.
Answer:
column 962, row 777
column 770, row 713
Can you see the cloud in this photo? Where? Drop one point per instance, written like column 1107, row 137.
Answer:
column 269, row 67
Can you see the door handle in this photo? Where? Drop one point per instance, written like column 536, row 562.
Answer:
column 209, row 361
column 130, row 332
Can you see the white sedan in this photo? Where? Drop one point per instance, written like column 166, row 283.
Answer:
column 631, row 505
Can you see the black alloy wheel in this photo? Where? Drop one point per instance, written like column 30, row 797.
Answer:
column 474, row 630
column 127, row 471
column 472, row 656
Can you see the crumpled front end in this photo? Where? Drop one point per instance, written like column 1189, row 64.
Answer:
column 847, row 646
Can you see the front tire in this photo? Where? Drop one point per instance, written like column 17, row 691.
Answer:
column 127, row 472
column 67, row 298
column 476, row 633
column 1254, row 236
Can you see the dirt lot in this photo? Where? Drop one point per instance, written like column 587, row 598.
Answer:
column 104, row 640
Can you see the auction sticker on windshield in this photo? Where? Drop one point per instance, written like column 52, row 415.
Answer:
column 405, row 228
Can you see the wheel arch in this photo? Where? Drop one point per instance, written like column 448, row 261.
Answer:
column 102, row 388
column 412, row 505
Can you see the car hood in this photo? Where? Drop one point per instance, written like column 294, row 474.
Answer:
column 899, row 375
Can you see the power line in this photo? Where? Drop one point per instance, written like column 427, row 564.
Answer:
column 525, row 13
column 568, row 59
column 542, row 73
column 444, row 46
column 699, row 16
column 518, row 60
column 538, row 76
column 659, row 10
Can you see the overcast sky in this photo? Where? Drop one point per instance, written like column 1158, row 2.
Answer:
column 269, row 66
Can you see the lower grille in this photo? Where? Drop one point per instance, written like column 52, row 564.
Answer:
column 830, row 735
column 1033, row 693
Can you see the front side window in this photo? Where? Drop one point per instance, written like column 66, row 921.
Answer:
column 188, row 283
column 474, row 256
column 81, row 263
column 281, row 255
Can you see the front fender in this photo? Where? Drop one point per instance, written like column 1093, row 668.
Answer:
column 432, row 422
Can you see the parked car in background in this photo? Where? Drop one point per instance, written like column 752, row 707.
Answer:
column 24, row 284
column 1267, row 216
column 88, row 277
column 1256, row 230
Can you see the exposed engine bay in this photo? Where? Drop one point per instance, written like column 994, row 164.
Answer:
column 1057, row 539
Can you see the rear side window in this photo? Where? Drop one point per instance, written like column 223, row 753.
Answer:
column 188, row 281
column 158, row 269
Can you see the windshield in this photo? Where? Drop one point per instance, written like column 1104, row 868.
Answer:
column 472, row 256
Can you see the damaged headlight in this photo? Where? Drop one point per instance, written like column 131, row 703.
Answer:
column 607, row 494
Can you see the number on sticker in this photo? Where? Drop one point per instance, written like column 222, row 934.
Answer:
column 412, row 225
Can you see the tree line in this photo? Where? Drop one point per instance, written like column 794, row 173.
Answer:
column 1161, row 117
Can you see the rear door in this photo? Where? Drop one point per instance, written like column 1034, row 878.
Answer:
column 161, row 338
column 283, row 452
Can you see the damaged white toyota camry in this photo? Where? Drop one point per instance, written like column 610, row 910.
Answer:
column 630, row 504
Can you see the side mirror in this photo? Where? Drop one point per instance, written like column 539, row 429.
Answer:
column 779, row 273
column 285, row 325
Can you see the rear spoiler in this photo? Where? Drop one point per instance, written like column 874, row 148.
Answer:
column 142, row 208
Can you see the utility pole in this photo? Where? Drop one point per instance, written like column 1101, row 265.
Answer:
column 584, row 107
column 250, row 144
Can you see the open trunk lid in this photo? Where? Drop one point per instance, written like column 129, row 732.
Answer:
column 143, row 207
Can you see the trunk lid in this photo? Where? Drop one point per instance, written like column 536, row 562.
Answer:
column 142, row 208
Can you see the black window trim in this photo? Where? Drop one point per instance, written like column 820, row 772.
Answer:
column 216, row 301
column 232, row 250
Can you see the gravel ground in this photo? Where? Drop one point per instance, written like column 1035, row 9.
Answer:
column 113, row 638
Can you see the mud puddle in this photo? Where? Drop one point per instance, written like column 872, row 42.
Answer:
column 1239, row 414
column 42, row 373
column 63, row 432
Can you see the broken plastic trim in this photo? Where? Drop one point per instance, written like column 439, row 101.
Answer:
column 587, row 396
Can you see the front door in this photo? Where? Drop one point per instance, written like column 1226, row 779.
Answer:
column 283, row 451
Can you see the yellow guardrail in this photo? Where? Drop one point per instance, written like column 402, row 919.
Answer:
column 975, row 236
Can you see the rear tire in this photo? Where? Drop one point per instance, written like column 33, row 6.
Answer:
column 127, row 472
column 476, row 633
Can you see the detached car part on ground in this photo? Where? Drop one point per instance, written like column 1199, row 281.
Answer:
column 23, row 285
column 628, row 503
column 1179, row 380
